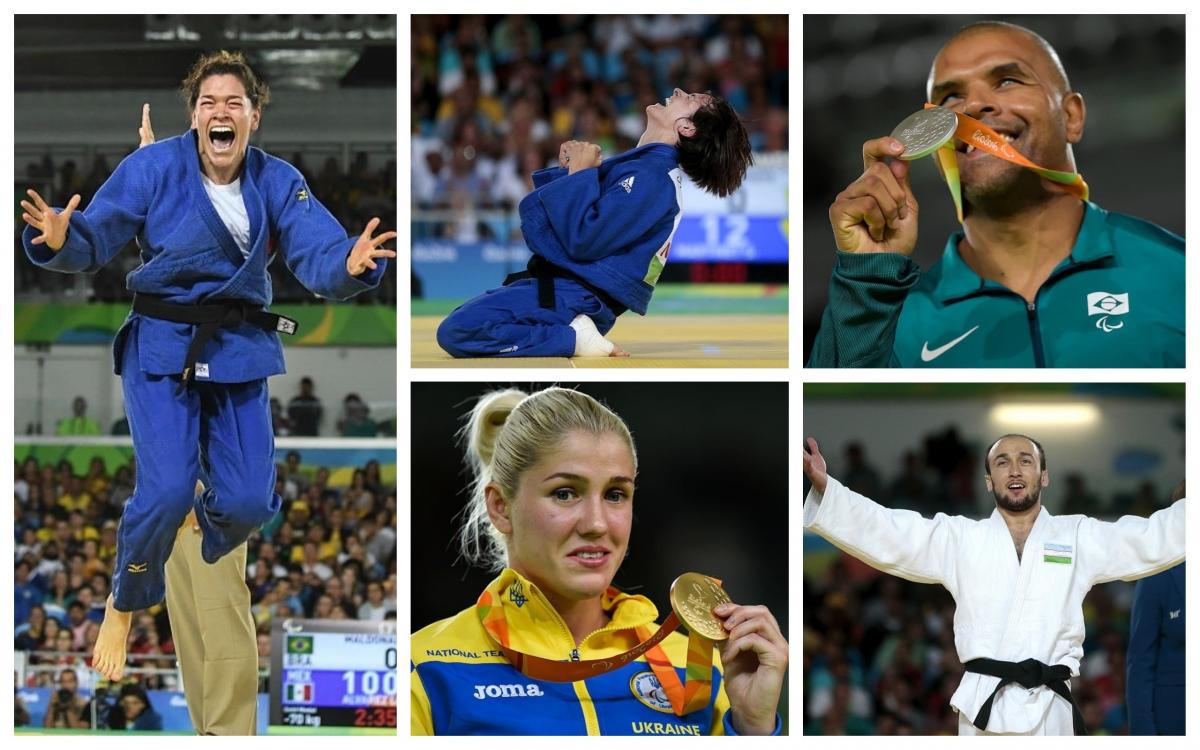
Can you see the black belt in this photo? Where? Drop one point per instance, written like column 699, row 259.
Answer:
column 1029, row 674
column 546, row 272
column 209, row 318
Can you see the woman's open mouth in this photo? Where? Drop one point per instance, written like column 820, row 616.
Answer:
column 222, row 138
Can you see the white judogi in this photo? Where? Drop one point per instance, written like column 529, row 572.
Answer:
column 1007, row 609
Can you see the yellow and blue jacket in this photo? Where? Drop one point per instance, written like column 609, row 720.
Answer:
column 462, row 683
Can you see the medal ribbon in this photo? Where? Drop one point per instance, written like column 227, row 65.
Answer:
column 684, row 698
column 981, row 136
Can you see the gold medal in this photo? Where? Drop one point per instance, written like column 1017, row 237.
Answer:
column 693, row 597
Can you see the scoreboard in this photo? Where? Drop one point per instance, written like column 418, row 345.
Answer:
column 333, row 673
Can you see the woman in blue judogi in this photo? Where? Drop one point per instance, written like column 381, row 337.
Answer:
column 196, row 351
column 600, row 234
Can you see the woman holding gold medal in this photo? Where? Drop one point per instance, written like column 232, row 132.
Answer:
column 550, row 646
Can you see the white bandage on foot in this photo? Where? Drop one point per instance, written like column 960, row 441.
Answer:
column 588, row 341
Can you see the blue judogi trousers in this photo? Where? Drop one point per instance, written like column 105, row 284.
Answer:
column 508, row 322
column 223, row 429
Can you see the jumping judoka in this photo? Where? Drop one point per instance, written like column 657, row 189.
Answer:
column 600, row 233
column 194, row 355
column 1018, row 579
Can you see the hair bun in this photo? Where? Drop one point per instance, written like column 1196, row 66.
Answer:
column 485, row 422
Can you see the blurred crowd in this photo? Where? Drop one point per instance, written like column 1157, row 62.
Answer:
column 329, row 553
column 303, row 416
column 493, row 97
column 353, row 196
column 879, row 655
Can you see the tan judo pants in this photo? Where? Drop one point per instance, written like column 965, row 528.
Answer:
column 209, row 608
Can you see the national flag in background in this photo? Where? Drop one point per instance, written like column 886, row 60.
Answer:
column 299, row 692
column 299, row 644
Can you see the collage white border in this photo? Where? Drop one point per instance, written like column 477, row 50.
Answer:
column 796, row 376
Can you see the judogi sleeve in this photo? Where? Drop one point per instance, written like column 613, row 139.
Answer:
column 1132, row 547
column 314, row 245
column 421, row 718
column 114, row 216
column 900, row 542
column 1141, row 659
column 591, row 221
column 866, row 294
column 547, row 175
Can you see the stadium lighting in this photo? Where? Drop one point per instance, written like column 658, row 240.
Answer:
column 1034, row 413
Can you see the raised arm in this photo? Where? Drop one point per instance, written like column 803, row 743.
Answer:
column 900, row 542
column 317, row 250
column 593, row 222
column 874, row 223
column 1133, row 547
column 84, row 241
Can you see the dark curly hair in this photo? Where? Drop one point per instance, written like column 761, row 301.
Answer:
column 221, row 63
column 716, row 157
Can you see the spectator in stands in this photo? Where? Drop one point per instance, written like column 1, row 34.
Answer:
column 60, row 594
column 374, row 608
column 96, row 482
column 30, row 629
column 74, row 497
column 280, row 424
column 49, row 564
column 26, row 477
column 29, row 543
column 294, row 474
column 311, row 562
column 305, row 410
column 27, row 594
column 77, row 616
column 860, row 475
column 134, row 711
column 356, row 420
column 79, row 423
column 358, row 499
column 67, row 709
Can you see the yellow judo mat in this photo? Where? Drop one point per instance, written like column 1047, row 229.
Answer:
column 754, row 340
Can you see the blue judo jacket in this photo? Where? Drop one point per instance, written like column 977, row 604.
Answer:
column 1155, row 664
column 611, row 225
column 189, row 257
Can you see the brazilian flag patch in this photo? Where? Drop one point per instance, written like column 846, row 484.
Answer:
column 299, row 644
column 1061, row 554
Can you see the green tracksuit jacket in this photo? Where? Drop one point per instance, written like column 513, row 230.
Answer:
column 1116, row 301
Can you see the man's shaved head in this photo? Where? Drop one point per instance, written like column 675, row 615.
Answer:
column 1062, row 83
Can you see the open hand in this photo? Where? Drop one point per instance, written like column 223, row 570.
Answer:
column 814, row 466
column 52, row 224
column 145, row 132
column 362, row 256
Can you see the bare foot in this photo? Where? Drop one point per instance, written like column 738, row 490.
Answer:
column 108, row 658
column 618, row 352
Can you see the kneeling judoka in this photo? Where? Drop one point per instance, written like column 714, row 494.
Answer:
column 195, row 353
column 600, row 234
column 1018, row 579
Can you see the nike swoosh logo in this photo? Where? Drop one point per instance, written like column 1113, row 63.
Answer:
column 928, row 355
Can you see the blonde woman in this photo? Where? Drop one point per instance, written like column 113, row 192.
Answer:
column 551, row 510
